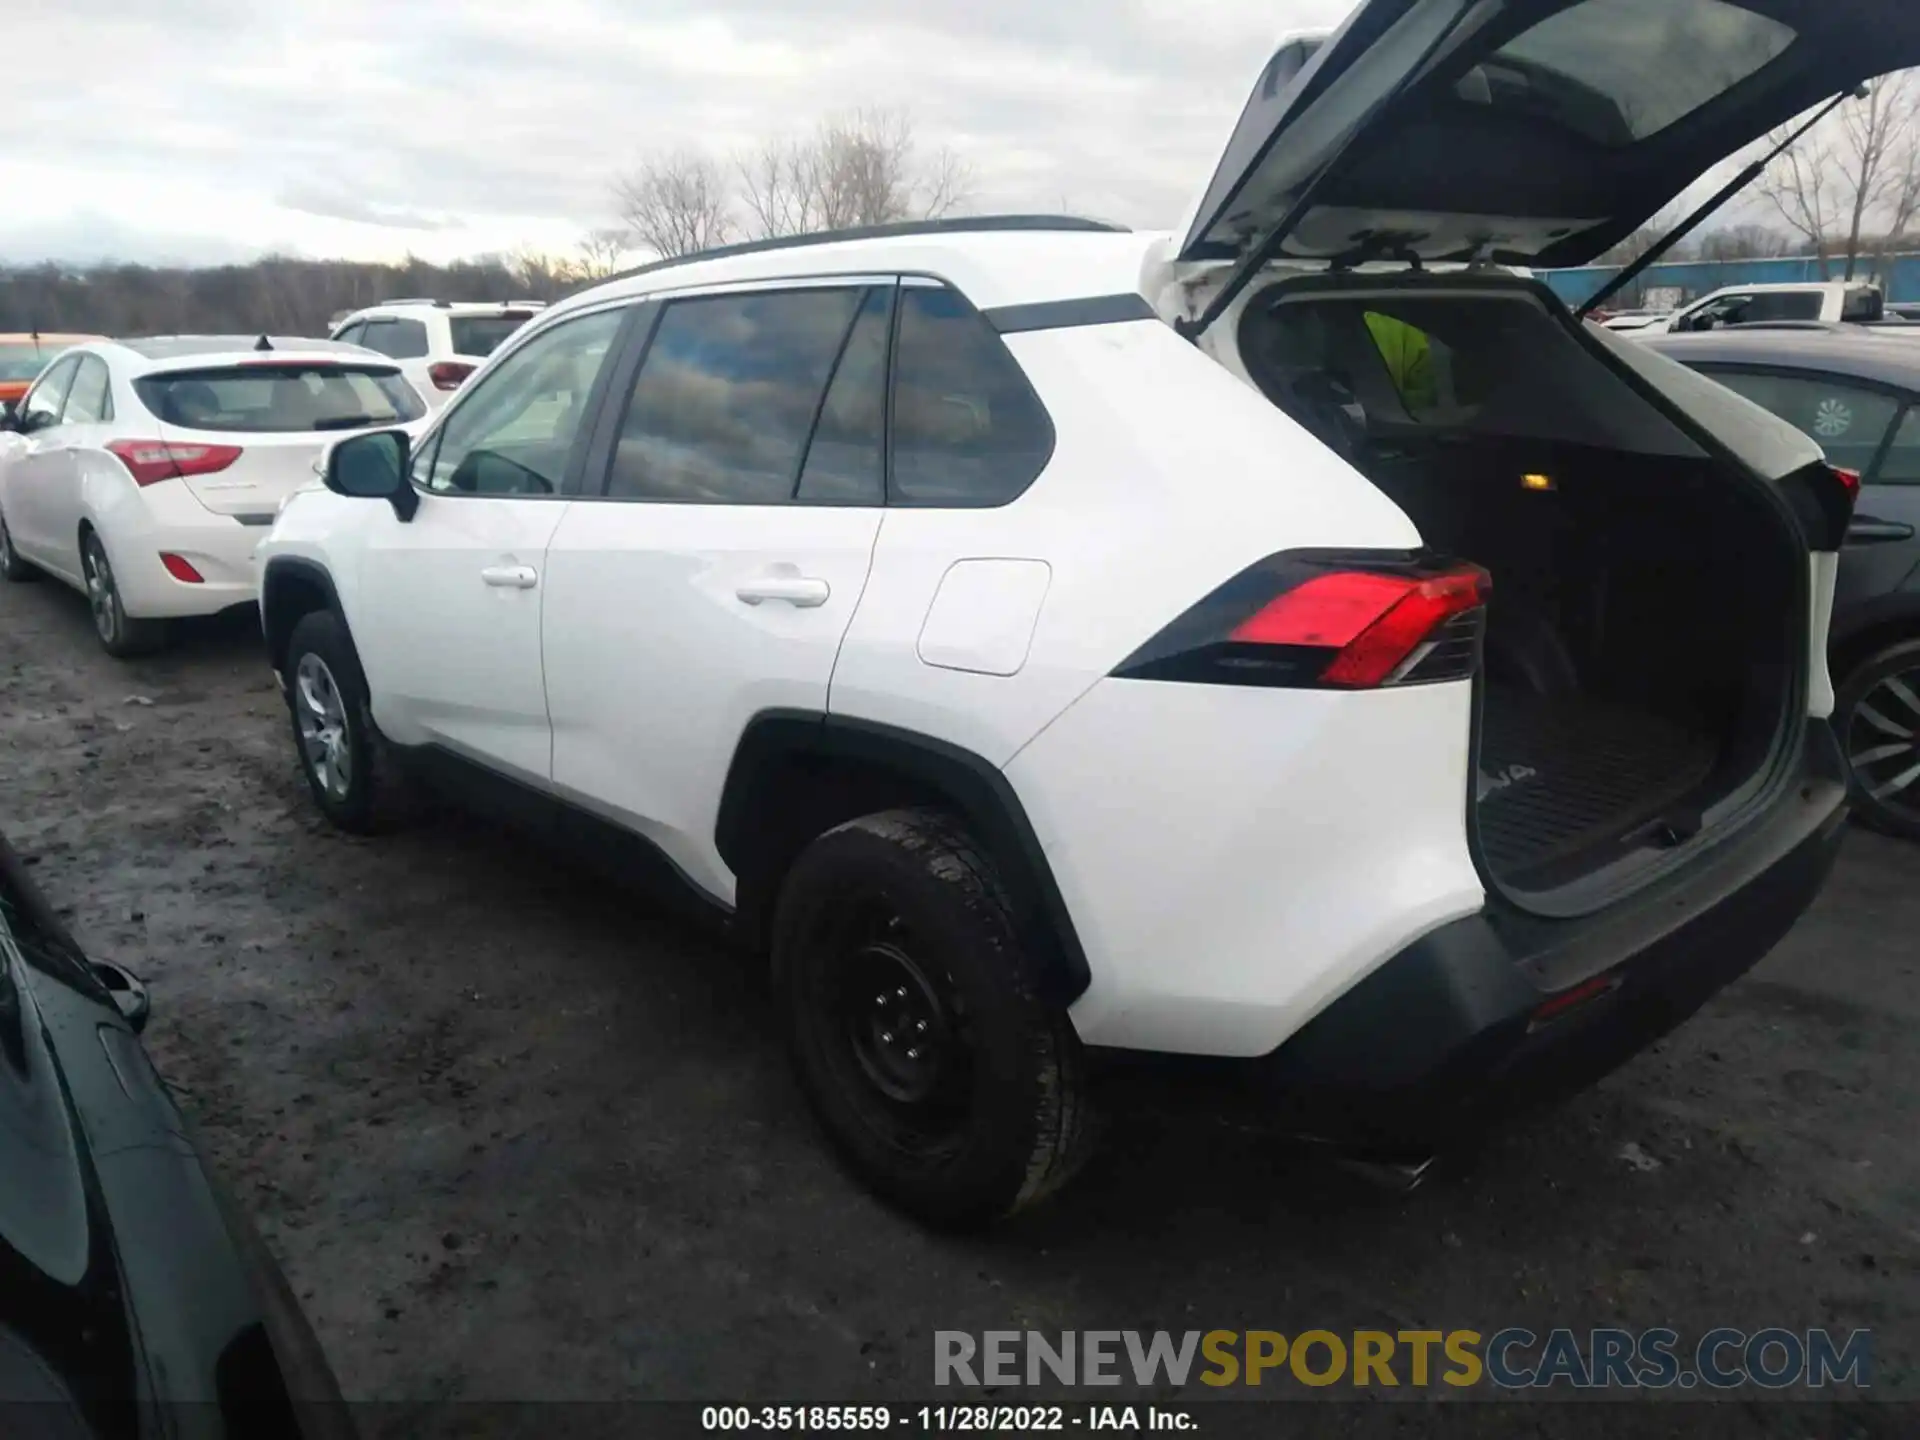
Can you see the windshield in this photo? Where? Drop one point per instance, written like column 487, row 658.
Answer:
column 23, row 360
column 479, row 335
column 281, row 398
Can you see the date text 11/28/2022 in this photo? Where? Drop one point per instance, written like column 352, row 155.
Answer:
column 940, row 1419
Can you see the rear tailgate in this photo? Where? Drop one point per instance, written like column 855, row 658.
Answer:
column 243, row 435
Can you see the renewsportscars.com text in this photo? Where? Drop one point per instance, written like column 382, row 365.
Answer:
column 1510, row 1359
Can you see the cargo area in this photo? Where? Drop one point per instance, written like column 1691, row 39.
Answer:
column 1643, row 642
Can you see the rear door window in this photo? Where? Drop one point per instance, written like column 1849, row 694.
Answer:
column 280, row 398
column 728, row 396
column 847, row 461
column 968, row 431
column 480, row 335
column 89, row 401
column 1902, row 463
column 400, row 339
column 1847, row 420
column 1782, row 305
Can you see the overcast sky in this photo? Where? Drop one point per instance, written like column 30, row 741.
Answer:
column 211, row 130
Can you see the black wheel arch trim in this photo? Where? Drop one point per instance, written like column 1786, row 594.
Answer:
column 310, row 571
column 978, row 790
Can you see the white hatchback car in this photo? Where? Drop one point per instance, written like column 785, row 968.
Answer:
column 1263, row 645
column 437, row 343
column 144, row 472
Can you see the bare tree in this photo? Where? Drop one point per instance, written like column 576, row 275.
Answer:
column 862, row 168
column 600, row 252
column 674, row 203
column 1626, row 251
column 1837, row 178
column 1745, row 242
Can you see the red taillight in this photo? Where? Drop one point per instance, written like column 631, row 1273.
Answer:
column 1849, row 481
column 151, row 461
column 1326, row 621
column 181, row 569
column 447, row 374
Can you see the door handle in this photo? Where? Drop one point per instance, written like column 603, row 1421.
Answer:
column 1865, row 530
column 803, row 592
column 511, row 577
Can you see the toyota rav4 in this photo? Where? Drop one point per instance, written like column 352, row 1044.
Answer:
column 1295, row 643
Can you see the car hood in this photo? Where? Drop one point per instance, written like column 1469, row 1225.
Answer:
column 1528, row 132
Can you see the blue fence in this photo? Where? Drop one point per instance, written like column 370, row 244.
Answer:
column 1694, row 278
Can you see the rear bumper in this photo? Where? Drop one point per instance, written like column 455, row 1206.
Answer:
column 168, row 519
column 1461, row 1027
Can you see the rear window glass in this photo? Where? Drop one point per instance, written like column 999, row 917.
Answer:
column 280, row 398
column 23, row 361
column 1617, row 71
column 480, row 335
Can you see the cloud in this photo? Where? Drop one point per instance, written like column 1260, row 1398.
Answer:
column 448, row 126
column 337, row 203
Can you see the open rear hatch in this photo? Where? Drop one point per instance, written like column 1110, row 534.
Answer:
column 1526, row 132
column 1655, row 637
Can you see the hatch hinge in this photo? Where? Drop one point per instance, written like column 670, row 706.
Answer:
column 1382, row 245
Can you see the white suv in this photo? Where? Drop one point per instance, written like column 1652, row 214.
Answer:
column 1402, row 703
column 438, row 343
column 1825, row 301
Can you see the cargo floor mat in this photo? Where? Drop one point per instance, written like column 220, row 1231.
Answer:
column 1560, row 776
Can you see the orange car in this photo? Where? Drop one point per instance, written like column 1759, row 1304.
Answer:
column 23, row 357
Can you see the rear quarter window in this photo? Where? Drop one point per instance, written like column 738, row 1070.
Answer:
column 280, row 398
column 968, row 430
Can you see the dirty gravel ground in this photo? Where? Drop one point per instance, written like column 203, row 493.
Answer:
column 516, row 1137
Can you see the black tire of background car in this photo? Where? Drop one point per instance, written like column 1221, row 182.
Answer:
column 131, row 638
column 1027, row 1125
column 1866, row 676
column 381, row 795
column 12, row 567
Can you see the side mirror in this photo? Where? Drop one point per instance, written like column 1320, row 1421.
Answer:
column 129, row 995
column 9, row 419
column 374, row 467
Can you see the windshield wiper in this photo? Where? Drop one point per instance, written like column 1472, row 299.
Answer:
column 348, row 422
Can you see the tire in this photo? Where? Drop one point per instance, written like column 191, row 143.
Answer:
column 902, row 912
column 120, row 634
column 356, row 777
column 12, row 567
column 1879, row 700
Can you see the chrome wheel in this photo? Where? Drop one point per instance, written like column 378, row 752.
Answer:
column 101, row 596
column 321, row 714
column 1883, row 744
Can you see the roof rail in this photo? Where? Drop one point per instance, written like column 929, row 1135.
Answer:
column 960, row 225
column 407, row 300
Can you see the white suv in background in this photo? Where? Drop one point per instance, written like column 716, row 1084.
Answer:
column 438, row 343
column 1258, row 645
column 1827, row 301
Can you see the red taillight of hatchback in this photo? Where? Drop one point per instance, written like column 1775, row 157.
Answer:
column 447, row 374
column 151, row 461
column 1324, row 621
